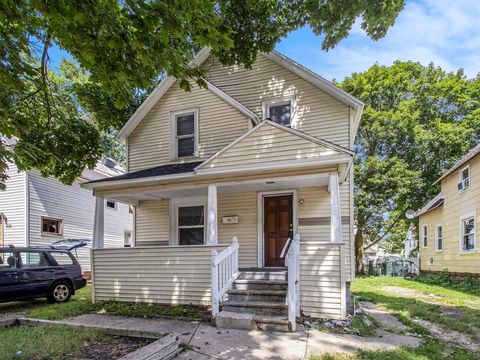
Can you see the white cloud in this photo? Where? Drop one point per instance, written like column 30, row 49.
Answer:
column 440, row 31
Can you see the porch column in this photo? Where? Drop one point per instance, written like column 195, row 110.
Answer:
column 99, row 223
column 336, row 215
column 212, row 228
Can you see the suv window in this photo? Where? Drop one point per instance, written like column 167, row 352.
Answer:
column 62, row 258
column 31, row 259
column 8, row 260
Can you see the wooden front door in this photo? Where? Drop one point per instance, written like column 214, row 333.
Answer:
column 278, row 226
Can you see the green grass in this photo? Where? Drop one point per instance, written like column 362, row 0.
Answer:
column 468, row 285
column 81, row 304
column 461, row 294
column 49, row 342
column 406, row 309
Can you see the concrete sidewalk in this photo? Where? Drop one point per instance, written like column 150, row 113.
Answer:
column 205, row 341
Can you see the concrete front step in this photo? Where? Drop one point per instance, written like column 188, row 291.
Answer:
column 256, row 307
column 259, row 284
column 247, row 321
column 263, row 275
column 257, row 295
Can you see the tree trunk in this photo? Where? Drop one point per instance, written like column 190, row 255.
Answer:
column 359, row 268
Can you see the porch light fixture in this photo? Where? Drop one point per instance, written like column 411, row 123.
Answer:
column 301, row 202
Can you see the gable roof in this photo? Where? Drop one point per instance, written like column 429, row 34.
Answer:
column 294, row 132
column 432, row 204
column 308, row 75
column 467, row 157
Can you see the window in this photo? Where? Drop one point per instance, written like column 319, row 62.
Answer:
column 51, row 226
column 33, row 259
column 467, row 233
column 111, row 204
column 127, row 238
column 425, row 235
column 464, row 179
column 438, row 238
column 280, row 111
column 62, row 258
column 184, row 133
column 8, row 260
column 191, row 225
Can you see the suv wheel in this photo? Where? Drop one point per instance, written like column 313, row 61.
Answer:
column 59, row 292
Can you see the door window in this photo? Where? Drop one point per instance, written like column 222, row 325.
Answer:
column 8, row 260
column 34, row 259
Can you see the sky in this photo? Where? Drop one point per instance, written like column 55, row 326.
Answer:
column 445, row 32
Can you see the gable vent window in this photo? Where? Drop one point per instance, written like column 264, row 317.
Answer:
column 464, row 179
column 184, row 126
column 280, row 111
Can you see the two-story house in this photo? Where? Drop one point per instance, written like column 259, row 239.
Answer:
column 243, row 196
column 448, row 234
column 38, row 211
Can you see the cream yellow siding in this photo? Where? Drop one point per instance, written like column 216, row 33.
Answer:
column 219, row 124
column 152, row 223
column 167, row 275
column 318, row 113
column 456, row 204
column 321, row 280
column 269, row 144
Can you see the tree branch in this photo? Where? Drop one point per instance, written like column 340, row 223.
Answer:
column 43, row 77
column 385, row 232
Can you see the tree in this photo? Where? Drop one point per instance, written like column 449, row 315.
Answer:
column 126, row 47
column 418, row 121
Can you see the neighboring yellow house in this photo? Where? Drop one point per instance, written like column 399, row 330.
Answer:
column 448, row 233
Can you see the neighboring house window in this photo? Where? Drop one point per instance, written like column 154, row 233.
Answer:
column 184, row 133
column 467, row 233
column 51, row 226
column 111, row 204
column 425, row 235
column 464, row 179
column 280, row 111
column 439, row 238
column 191, row 225
column 127, row 238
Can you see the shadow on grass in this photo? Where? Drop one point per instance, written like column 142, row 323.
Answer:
column 407, row 309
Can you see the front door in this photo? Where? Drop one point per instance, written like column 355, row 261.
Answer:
column 278, row 226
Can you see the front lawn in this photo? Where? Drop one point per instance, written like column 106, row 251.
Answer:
column 59, row 342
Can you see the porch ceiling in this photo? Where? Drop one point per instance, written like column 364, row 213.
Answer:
column 273, row 184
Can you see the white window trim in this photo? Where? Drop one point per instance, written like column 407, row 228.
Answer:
column 436, row 238
column 175, row 203
column 110, row 208
column 173, row 132
column 281, row 101
column 49, row 234
column 462, row 218
column 460, row 178
column 423, row 236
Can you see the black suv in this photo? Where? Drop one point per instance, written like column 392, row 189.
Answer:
column 28, row 272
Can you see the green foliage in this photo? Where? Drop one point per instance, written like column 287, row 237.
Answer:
column 122, row 49
column 418, row 120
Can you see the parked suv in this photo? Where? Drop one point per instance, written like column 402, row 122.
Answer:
column 27, row 273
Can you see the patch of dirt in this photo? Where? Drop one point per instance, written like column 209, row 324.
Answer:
column 450, row 336
column 408, row 293
column 112, row 348
column 452, row 312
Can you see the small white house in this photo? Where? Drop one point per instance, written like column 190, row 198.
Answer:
column 37, row 211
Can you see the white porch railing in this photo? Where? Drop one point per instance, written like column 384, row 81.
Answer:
column 224, row 273
column 292, row 262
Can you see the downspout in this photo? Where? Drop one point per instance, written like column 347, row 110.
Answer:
column 27, row 210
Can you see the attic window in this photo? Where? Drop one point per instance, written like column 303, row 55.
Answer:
column 464, row 179
column 184, row 133
column 280, row 111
